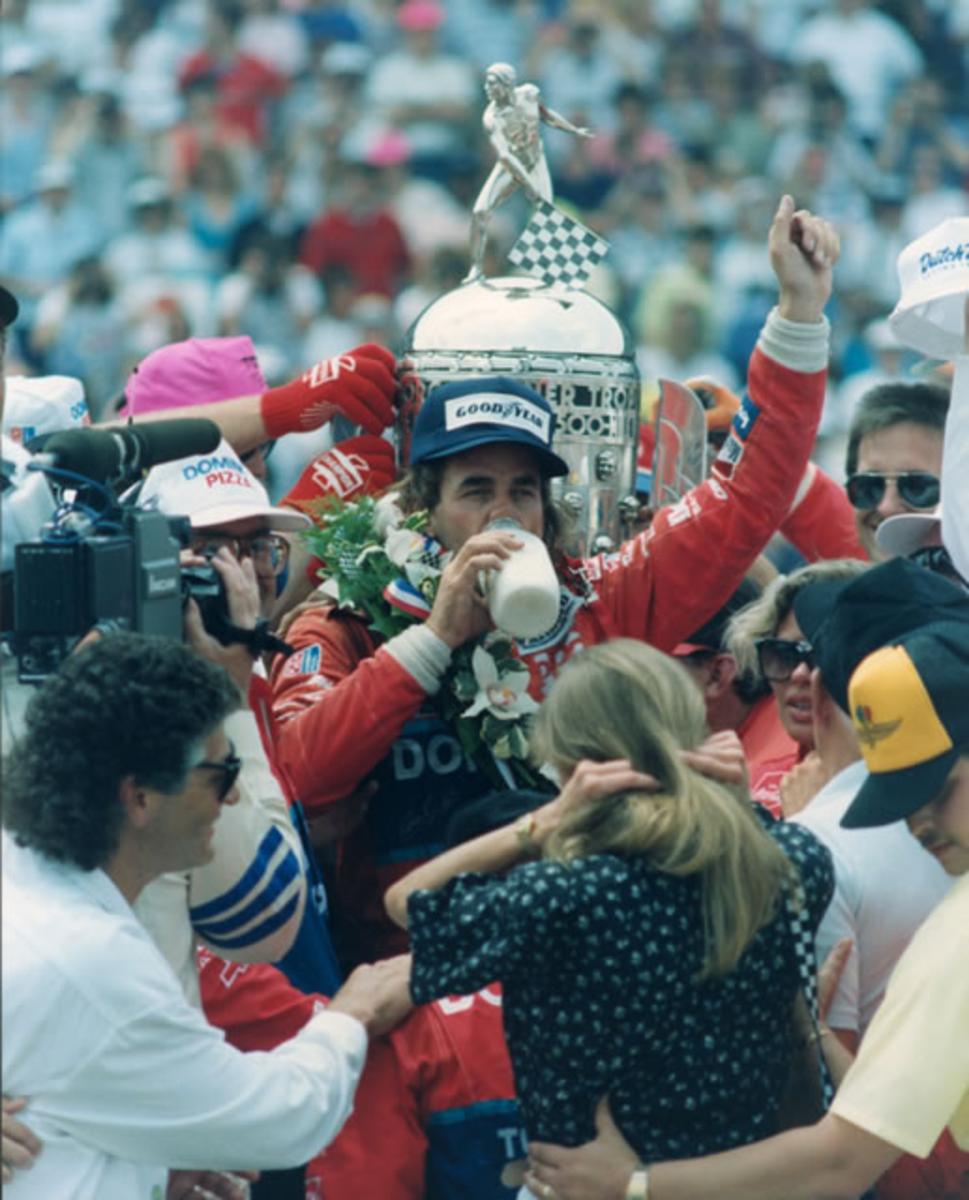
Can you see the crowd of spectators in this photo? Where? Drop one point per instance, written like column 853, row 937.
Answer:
column 609, row 875
column 303, row 173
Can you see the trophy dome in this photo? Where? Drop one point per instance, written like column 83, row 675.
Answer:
column 570, row 347
column 519, row 314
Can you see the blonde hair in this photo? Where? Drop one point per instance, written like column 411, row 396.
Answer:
column 764, row 616
column 624, row 699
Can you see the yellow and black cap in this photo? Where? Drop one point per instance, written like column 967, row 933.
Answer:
column 909, row 704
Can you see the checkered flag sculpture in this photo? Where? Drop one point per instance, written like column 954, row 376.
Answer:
column 557, row 248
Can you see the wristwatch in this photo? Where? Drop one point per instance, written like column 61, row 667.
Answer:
column 638, row 1186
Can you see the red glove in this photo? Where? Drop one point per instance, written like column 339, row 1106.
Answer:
column 361, row 465
column 360, row 384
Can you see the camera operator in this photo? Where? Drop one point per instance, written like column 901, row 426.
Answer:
column 236, row 531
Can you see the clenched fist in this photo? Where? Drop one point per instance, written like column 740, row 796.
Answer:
column 361, row 466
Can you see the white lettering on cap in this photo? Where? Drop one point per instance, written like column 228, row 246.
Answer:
column 496, row 408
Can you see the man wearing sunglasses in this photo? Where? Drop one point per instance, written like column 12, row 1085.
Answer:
column 124, row 774
column 894, row 456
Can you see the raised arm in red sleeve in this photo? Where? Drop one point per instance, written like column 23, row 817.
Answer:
column 821, row 523
column 663, row 584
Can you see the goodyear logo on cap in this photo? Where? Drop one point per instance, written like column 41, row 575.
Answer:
column 495, row 408
column 893, row 713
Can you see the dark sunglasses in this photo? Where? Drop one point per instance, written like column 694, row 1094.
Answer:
column 918, row 489
column 779, row 658
column 230, row 766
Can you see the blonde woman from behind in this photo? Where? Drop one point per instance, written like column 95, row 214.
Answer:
column 646, row 955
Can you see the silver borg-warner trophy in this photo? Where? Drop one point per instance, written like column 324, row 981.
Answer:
column 540, row 326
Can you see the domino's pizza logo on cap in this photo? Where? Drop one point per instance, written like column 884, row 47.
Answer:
column 213, row 489
column 459, row 416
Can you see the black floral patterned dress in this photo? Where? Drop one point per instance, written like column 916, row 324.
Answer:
column 598, row 960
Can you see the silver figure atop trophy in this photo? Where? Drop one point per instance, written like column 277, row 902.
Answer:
column 513, row 119
column 540, row 325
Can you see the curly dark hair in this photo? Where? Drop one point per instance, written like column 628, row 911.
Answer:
column 127, row 705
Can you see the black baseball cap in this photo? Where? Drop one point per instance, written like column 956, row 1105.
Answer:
column 847, row 619
column 478, row 412
column 909, row 704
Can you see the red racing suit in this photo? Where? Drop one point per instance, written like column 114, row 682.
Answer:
column 434, row 1114
column 822, row 524
column 348, row 710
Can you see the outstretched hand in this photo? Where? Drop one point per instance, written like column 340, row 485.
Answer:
column 360, row 384
column 803, row 250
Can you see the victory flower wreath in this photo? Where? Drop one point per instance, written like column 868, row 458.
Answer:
column 384, row 565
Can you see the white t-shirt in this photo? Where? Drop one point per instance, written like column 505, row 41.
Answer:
column 885, row 885
column 125, row 1078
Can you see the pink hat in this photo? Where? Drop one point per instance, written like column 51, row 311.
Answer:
column 197, row 371
column 389, row 148
column 416, row 15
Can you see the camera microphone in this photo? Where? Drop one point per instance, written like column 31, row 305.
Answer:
column 122, row 453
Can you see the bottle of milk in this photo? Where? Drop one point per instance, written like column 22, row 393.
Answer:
column 523, row 596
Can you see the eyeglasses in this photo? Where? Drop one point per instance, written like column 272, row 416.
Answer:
column 230, row 766
column 919, row 489
column 779, row 658
column 269, row 551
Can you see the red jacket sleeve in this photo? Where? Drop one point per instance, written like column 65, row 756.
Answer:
column 667, row 581
column 254, row 1004
column 822, row 523
column 339, row 706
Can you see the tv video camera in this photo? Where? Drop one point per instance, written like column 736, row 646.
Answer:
column 101, row 562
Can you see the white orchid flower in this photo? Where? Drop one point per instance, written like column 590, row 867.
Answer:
column 504, row 696
column 402, row 544
column 387, row 514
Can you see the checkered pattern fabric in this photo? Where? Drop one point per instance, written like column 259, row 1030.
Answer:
column 557, row 248
column 804, row 952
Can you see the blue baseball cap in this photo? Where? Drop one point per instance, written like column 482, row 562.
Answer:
column 477, row 412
